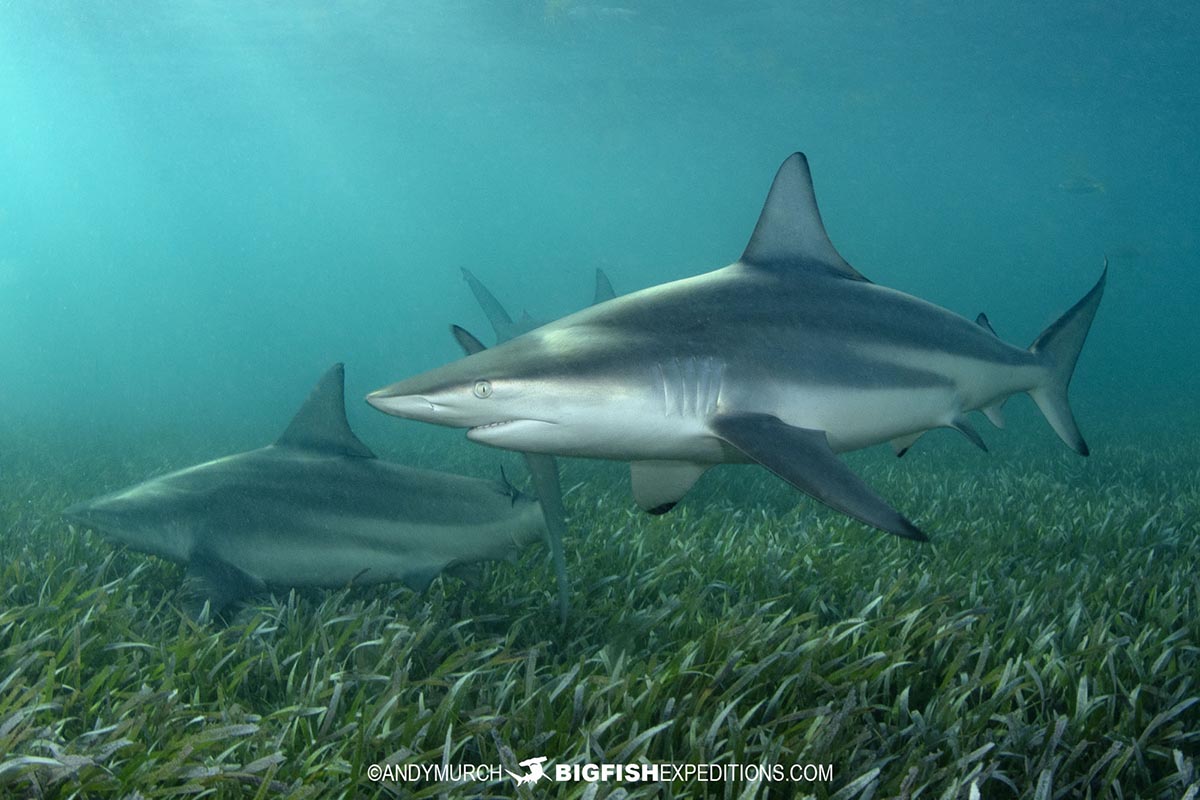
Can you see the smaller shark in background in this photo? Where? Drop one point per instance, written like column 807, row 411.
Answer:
column 503, row 324
column 786, row 358
column 543, row 469
column 316, row 508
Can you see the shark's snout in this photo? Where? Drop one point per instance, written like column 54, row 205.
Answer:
column 77, row 514
column 89, row 514
column 401, row 405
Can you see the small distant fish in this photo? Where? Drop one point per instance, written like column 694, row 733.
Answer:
column 1081, row 184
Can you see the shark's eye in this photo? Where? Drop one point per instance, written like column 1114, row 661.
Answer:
column 483, row 390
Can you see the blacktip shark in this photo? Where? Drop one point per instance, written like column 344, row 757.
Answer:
column 504, row 326
column 786, row 358
column 316, row 508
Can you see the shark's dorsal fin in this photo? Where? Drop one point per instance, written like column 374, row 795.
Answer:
column 321, row 424
column 789, row 233
column 604, row 288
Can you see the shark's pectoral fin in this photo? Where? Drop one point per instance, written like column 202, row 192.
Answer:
column 495, row 312
column 218, row 583
column 659, row 485
column 901, row 443
column 803, row 458
column 466, row 340
column 544, row 471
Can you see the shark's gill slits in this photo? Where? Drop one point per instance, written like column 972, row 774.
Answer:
column 691, row 387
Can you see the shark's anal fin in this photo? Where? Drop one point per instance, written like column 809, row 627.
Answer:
column 803, row 458
column 901, row 443
column 321, row 424
column 218, row 583
column 789, row 234
column 659, row 485
column 964, row 427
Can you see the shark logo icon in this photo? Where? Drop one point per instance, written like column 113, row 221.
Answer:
column 534, row 771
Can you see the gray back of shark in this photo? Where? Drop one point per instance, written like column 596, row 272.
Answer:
column 785, row 358
column 316, row 508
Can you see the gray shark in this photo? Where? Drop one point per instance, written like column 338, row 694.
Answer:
column 786, row 358
column 504, row 325
column 316, row 508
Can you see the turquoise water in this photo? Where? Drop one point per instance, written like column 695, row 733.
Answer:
column 202, row 206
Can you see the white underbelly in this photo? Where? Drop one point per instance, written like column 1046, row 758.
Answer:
column 857, row 418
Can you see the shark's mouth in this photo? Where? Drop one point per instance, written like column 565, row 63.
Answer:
column 493, row 425
column 506, row 429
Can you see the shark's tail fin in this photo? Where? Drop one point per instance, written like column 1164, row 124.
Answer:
column 1058, row 349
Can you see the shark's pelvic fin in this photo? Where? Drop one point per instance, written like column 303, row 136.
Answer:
column 1058, row 349
column 604, row 288
column 321, row 424
column 995, row 412
column 659, row 485
column 546, row 483
column 803, row 458
column 789, row 233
